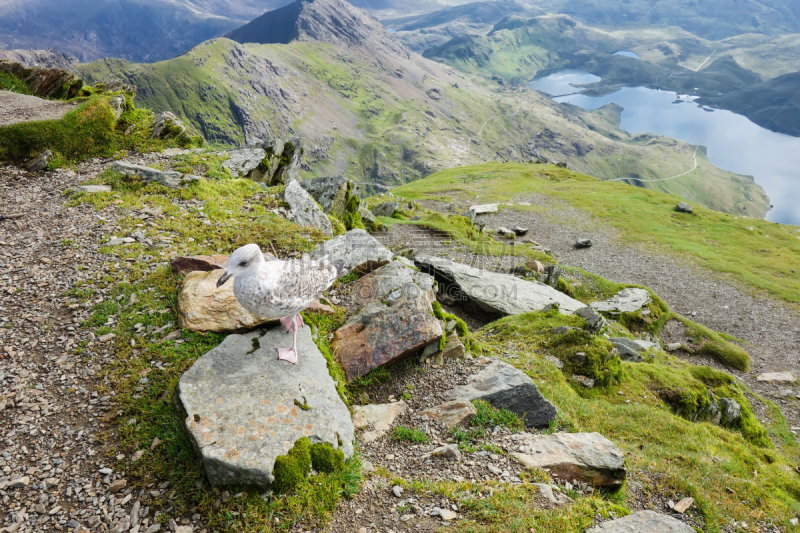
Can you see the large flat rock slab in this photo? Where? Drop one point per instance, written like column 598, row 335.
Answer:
column 357, row 249
column 643, row 522
column 387, row 331
column 506, row 387
column 587, row 457
column 493, row 294
column 242, row 405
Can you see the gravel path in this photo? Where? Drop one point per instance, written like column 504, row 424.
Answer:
column 771, row 329
column 56, row 421
column 16, row 108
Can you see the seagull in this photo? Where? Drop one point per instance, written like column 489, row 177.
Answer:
column 279, row 288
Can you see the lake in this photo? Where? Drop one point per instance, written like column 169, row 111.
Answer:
column 734, row 143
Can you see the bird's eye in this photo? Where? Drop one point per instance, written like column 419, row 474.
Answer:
column 243, row 264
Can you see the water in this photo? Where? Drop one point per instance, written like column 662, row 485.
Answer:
column 733, row 142
column 626, row 53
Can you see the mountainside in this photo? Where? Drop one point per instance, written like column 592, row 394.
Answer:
column 368, row 108
column 773, row 104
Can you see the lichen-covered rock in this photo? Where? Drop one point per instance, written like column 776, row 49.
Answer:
column 305, row 210
column 202, row 306
column 587, row 457
column 644, row 522
column 387, row 331
column 506, row 387
column 167, row 126
column 282, row 161
column 382, row 282
column 167, row 178
column 358, row 250
column 493, row 294
column 625, row 301
column 246, row 408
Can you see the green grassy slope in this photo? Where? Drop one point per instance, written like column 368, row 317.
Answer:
column 389, row 120
column 723, row 243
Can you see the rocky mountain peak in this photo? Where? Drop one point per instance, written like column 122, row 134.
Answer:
column 332, row 21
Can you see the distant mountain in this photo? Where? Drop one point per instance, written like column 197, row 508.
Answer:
column 368, row 108
column 137, row 30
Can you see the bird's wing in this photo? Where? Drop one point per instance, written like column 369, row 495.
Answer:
column 304, row 280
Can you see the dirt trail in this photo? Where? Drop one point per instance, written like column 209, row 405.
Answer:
column 15, row 108
column 770, row 328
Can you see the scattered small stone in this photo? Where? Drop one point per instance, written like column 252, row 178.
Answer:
column 397, row 490
column 683, row 505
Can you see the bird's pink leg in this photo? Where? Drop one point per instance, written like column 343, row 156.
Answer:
column 293, row 324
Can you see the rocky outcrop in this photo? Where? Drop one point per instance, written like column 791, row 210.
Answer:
column 246, row 163
column 359, row 251
column 204, row 307
column 625, row 301
column 166, row 178
column 379, row 418
column 643, row 521
column 505, row 387
column 245, row 407
column 493, row 294
column 48, row 59
column 331, row 193
column 587, row 457
column 167, row 126
column 305, row 210
column 397, row 322
column 44, row 82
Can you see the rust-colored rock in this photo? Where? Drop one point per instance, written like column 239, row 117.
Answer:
column 382, row 334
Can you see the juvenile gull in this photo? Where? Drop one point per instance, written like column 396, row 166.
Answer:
column 279, row 288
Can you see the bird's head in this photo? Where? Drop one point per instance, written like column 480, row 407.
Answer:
column 243, row 260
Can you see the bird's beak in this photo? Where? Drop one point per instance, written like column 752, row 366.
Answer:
column 225, row 277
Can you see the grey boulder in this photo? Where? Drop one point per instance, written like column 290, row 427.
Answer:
column 730, row 412
column 644, row 522
column 587, row 457
column 167, row 178
column 683, row 207
column 628, row 349
column 494, row 294
column 357, row 249
column 243, row 405
column 305, row 210
column 245, row 163
column 386, row 209
column 506, row 387
column 330, row 193
column 625, row 301
column 583, row 243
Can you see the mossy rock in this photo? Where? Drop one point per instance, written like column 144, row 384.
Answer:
column 325, row 459
column 292, row 468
